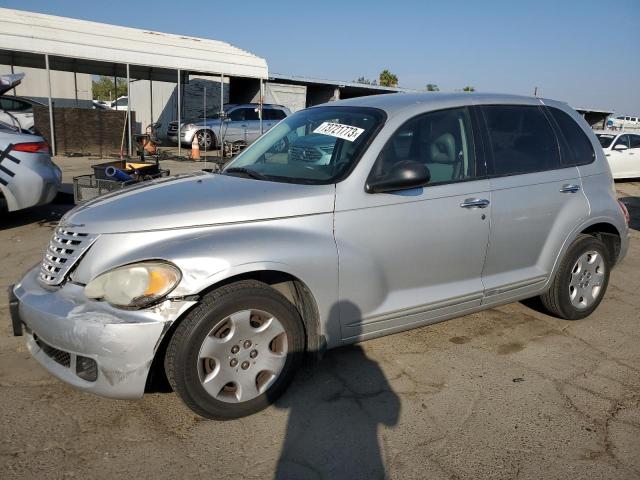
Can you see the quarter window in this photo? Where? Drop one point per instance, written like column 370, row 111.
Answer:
column 521, row 139
column 578, row 150
column 441, row 140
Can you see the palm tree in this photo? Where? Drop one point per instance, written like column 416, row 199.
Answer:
column 388, row 79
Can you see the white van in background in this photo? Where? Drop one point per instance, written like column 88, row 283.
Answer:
column 624, row 122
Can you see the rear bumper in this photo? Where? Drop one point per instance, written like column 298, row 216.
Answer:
column 35, row 183
column 63, row 323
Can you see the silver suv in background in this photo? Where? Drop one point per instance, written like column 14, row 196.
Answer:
column 344, row 222
column 241, row 123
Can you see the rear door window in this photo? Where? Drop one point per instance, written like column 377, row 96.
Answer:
column 251, row 114
column 622, row 140
column 274, row 114
column 14, row 105
column 521, row 139
column 576, row 148
column 634, row 141
column 237, row 115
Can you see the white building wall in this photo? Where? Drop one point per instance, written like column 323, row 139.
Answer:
column 35, row 85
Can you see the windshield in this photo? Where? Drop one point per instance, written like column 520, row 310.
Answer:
column 316, row 146
column 605, row 139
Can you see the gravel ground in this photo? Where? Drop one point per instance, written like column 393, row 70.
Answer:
column 505, row 393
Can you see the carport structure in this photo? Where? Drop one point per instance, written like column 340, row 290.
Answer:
column 322, row 90
column 58, row 43
column 594, row 117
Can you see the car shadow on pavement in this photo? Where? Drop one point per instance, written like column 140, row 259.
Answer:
column 335, row 407
column 44, row 215
column 633, row 205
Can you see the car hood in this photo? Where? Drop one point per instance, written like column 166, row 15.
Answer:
column 195, row 200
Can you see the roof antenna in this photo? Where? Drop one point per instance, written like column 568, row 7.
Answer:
column 535, row 91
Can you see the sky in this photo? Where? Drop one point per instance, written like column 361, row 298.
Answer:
column 583, row 52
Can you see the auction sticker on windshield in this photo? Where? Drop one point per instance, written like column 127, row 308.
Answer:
column 339, row 130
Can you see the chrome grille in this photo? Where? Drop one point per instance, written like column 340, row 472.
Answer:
column 173, row 127
column 62, row 253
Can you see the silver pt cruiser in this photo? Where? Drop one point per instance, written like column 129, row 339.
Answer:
column 343, row 223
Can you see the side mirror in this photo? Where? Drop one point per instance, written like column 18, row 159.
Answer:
column 620, row 147
column 402, row 176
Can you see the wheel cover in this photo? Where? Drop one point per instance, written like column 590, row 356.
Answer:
column 242, row 356
column 587, row 279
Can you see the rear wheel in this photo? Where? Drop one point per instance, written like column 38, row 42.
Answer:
column 581, row 280
column 236, row 352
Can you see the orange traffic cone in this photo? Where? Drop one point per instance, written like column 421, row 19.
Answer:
column 195, row 148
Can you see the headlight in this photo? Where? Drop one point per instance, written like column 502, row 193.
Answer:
column 189, row 126
column 134, row 286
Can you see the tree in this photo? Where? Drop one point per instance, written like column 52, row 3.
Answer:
column 468, row 89
column 365, row 81
column 388, row 79
column 432, row 87
column 104, row 88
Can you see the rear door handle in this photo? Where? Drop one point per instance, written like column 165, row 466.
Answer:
column 475, row 203
column 568, row 188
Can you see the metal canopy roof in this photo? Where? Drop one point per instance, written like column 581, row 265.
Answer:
column 86, row 44
column 299, row 80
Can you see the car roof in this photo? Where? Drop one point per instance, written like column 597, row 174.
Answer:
column 394, row 102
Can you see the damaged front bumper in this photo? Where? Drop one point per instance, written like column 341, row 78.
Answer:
column 77, row 339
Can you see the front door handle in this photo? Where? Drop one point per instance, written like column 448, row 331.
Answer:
column 475, row 203
column 569, row 188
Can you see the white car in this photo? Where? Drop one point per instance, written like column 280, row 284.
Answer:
column 16, row 111
column 120, row 103
column 28, row 177
column 622, row 151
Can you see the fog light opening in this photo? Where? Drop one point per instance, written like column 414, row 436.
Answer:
column 86, row 368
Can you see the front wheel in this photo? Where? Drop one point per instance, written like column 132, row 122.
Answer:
column 236, row 352
column 581, row 280
column 206, row 139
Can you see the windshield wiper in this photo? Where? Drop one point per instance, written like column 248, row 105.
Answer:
column 247, row 171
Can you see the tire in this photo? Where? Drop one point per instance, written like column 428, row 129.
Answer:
column 219, row 331
column 208, row 137
column 581, row 280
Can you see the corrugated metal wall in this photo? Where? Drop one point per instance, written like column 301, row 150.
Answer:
column 157, row 101
column 294, row 97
